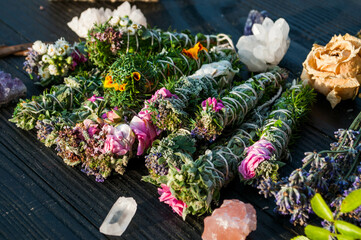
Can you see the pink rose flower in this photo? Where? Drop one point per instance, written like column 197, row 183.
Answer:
column 145, row 132
column 94, row 98
column 145, row 114
column 92, row 127
column 111, row 115
column 215, row 104
column 166, row 196
column 119, row 139
column 260, row 151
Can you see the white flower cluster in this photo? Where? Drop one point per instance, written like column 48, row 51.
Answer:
column 266, row 47
column 125, row 24
column 92, row 16
column 50, row 55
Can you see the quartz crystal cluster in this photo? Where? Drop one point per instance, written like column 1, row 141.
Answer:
column 233, row 220
column 10, row 88
column 266, row 47
column 81, row 25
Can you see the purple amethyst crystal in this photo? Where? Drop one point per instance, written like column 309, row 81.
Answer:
column 254, row 17
column 10, row 88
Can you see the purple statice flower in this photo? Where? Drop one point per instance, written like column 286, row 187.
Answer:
column 254, row 17
column 44, row 129
column 32, row 58
column 153, row 165
column 112, row 37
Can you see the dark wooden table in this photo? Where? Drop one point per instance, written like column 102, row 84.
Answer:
column 41, row 197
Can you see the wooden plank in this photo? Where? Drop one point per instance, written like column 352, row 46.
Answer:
column 32, row 203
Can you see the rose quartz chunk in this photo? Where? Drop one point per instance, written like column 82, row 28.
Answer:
column 233, row 220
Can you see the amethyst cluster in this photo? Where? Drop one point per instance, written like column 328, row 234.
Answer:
column 10, row 88
column 254, row 17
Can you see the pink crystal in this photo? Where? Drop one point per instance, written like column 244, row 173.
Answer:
column 234, row 220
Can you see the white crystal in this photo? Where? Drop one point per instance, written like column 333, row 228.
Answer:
column 266, row 47
column 119, row 217
column 81, row 25
column 216, row 69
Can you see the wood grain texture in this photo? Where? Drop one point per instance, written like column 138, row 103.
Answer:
column 41, row 197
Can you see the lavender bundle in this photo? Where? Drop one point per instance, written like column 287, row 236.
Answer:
column 334, row 173
column 211, row 121
column 52, row 62
column 262, row 158
column 107, row 41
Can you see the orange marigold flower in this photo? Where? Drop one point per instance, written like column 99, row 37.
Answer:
column 193, row 52
column 136, row 76
column 108, row 82
column 120, row 87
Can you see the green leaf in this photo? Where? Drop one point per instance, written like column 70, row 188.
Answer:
column 317, row 233
column 351, row 202
column 320, row 207
column 300, row 238
column 343, row 237
column 348, row 229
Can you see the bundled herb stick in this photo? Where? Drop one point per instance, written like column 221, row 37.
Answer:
column 262, row 158
column 57, row 101
column 107, row 41
column 234, row 106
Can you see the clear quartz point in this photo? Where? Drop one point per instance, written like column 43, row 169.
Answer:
column 119, row 217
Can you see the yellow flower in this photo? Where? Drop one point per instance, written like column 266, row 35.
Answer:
column 193, row 52
column 120, row 87
column 136, row 76
column 108, row 82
